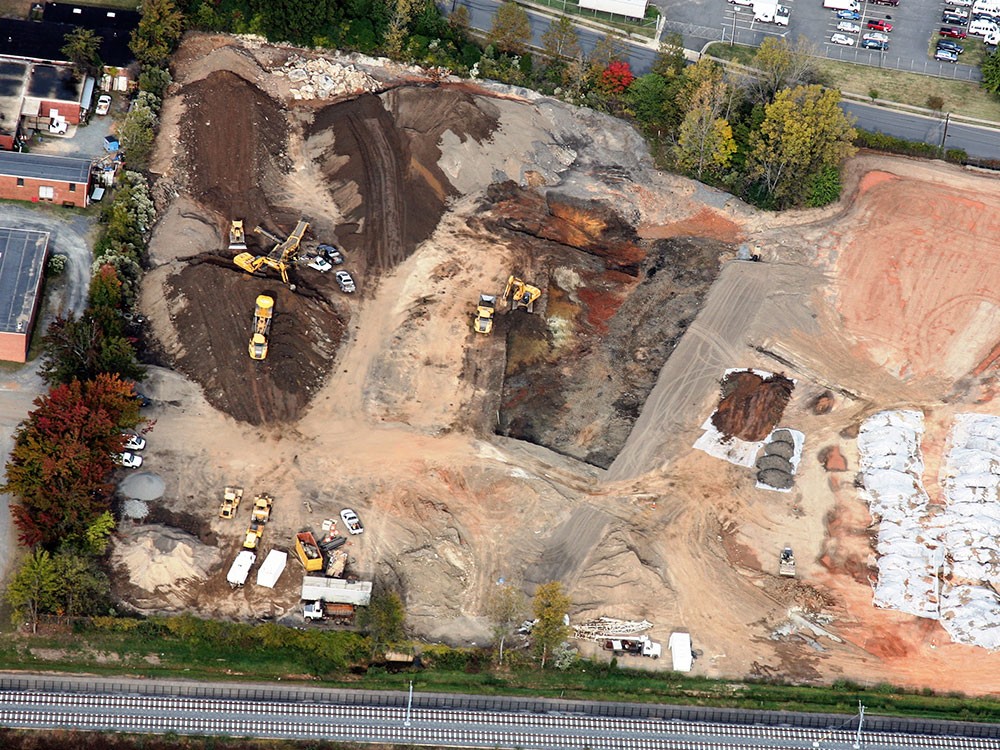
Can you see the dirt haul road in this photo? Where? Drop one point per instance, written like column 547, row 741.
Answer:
column 386, row 401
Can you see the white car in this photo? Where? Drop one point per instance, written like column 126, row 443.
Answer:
column 351, row 521
column 134, row 442
column 963, row 3
column 878, row 36
column 321, row 264
column 842, row 39
column 850, row 28
column 345, row 282
column 129, row 460
column 103, row 104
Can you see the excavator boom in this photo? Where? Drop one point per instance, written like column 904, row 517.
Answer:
column 521, row 294
column 280, row 256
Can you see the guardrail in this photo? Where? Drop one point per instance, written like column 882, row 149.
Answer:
column 286, row 694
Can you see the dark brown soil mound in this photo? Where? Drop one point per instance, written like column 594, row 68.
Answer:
column 214, row 320
column 751, row 406
column 383, row 170
column 233, row 147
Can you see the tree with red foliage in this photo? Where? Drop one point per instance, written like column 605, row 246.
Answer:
column 62, row 460
column 617, row 77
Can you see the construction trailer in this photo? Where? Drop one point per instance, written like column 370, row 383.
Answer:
column 271, row 569
column 336, row 591
column 240, row 568
column 680, row 651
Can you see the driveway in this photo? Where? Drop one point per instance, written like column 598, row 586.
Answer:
column 70, row 234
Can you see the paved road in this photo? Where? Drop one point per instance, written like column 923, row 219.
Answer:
column 446, row 727
column 978, row 142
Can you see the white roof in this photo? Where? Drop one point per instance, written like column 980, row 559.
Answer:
column 680, row 650
column 630, row 8
column 336, row 590
column 270, row 570
column 240, row 569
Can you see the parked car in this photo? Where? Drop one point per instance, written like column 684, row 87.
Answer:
column 875, row 44
column 331, row 253
column 319, row 263
column 955, row 20
column 345, row 282
column 957, row 12
column 982, row 28
column 944, row 55
column 878, row 24
column 849, row 15
column 103, row 104
column 963, row 3
column 842, row 39
column 351, row 521
column 129, row 460
column 134, row 442
column 893, row 3
column 952, row 33
column 850, row 28
column 878, row 36
column 951, row 46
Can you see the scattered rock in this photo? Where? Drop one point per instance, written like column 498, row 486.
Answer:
column 319, row 78
column 823, row 403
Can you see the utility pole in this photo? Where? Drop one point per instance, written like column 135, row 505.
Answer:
column 944, row 133
column 732, row 42
column 861, row 720
column 409, row 705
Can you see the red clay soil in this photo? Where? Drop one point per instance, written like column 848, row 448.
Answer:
column 751, row 406
column 383, row 170
column 214, row 301
column 234, row 142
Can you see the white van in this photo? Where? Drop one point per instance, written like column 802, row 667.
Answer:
column 992, row 7
column 993, row 37
column 982, row 28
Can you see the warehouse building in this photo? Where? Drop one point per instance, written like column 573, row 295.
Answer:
column 22, row 268
column 42, row 178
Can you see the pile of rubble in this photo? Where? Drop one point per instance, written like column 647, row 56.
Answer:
column 318, row 78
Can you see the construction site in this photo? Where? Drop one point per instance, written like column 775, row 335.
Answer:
column 555, row 363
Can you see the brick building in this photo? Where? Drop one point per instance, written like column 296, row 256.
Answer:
column 39, row 178
column 22, row 268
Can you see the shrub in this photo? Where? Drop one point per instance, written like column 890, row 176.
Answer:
column 57, row 264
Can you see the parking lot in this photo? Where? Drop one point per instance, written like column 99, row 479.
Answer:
column 915, row 25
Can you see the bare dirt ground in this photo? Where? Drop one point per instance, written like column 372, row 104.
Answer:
column 387, row 402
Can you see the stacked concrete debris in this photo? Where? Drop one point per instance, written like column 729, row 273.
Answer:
column 319, row 78
column 891, row 472
column 774, row 467
column 969, row 530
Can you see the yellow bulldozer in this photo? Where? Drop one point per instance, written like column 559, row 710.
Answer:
column 521, row 294
column 280, row 257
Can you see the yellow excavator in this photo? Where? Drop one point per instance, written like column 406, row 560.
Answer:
column 280, row 257
column 521, row 294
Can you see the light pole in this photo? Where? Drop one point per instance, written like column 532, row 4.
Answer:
column 409, row 705
column 732, row 42
column 944, row 133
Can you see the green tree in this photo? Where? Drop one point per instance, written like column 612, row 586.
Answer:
column 82, row 48
column 396, row 35
column 670, row 60
column 158, row 32
column 98, row 534
column 83, row 588
column 560, row 41
column 459, row 20
column 705, row 141
column 653, row 101
column 990, row 68
column 607, row 49
column 34, row 589
column 550, row 606
column 61, row 463
column 511, row 30
column 382, row 620
column 779, row 65
column 136, row 134
column 804, row 132
column 504, row 608
column 154, row 80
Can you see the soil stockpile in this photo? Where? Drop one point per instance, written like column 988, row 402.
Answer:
column 234, row 147
column 213, row 316
column 751, row 405
column 382, row 165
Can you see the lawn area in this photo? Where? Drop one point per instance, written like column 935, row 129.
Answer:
column 959, row 97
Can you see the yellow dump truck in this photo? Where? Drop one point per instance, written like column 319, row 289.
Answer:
column 231, row 497
column 308, row 551
column 261, row 327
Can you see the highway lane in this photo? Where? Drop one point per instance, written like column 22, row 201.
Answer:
column 447, row 727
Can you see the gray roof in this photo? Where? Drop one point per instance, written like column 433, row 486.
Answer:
column 22, row 259
column 42, row 167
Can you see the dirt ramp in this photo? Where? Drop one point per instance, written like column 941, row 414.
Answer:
column 383, row 165
column 213, row 317
column 234, row 138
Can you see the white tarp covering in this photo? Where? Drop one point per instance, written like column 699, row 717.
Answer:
column 892, row 469
column 270, row 570
column 680, row 651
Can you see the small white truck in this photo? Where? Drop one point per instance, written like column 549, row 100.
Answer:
column 771, row 11
column 636, row 645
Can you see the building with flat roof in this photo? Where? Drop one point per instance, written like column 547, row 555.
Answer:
column 23, row 253
column 13, row 81
column 39, row 177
